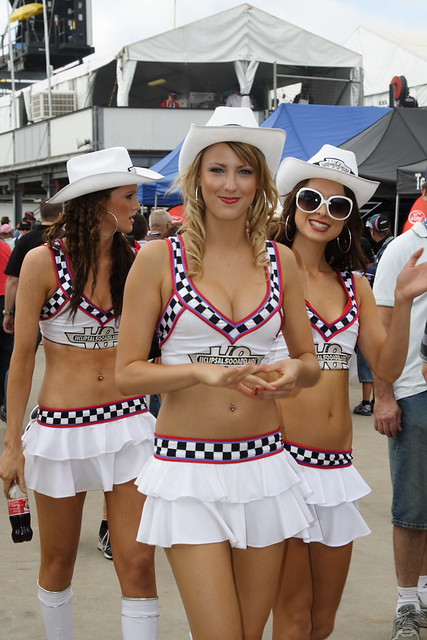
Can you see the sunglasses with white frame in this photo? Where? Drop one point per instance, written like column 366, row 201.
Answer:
column 310, row 200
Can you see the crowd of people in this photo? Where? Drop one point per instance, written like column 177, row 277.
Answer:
column 232, row 450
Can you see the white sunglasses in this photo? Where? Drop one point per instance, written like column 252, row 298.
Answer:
column 310, row 200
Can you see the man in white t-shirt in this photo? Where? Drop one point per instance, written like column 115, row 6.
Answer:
column 400, row 412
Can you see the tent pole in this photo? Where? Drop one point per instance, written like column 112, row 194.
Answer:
column 274, row 106
column 396, row 215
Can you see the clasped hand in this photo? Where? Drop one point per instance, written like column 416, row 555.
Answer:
column 247, row 379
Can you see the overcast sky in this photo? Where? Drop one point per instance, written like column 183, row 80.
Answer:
column 120, row 22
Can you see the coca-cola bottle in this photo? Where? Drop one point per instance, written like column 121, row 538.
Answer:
column 19, row 513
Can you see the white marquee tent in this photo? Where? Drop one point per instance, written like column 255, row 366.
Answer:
column 205, row 59
column 387, row 53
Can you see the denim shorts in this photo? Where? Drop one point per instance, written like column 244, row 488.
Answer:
column 364, row 372
column 408, row 464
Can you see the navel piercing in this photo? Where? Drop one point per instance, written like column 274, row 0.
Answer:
column 232, row 406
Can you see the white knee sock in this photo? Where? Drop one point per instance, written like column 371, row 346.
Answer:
column 422, row 590
column 407, row 595
column 140, row 618
column 57, row 612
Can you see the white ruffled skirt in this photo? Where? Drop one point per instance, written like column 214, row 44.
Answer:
column 333, row 500
column 74, row 450
column 248, row 502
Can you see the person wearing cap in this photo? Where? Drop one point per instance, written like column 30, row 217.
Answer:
column 84, row 434
column 380, row 230
column 6, row 234
column 171, row 102
column 322, row 225
column 222, row 496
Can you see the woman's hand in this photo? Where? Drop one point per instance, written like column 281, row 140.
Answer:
column 412, row 280
column 241, row 379
column 285, row 378
column 12, row 466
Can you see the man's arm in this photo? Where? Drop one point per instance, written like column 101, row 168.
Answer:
column 386, row 410
column 9, row 303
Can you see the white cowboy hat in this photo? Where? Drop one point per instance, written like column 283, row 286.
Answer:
column 233, row 124
column 330, row 163
column 99, row 170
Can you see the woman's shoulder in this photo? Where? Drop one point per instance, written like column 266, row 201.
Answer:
column 39, row 255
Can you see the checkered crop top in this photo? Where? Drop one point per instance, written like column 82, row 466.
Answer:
column 90, row 328
column 334, row 342
column 191, row 329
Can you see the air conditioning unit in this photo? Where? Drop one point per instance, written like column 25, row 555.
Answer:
column 63, row 102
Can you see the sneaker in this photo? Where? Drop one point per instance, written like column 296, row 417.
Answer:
column 104, row 545
column 422, row 617
column 363, row 409
column 405, row 624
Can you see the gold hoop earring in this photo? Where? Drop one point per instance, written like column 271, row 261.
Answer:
column 286, row 228
column 348, row 242
column 197, row 194
column 110, row 235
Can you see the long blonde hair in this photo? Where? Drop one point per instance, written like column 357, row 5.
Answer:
column 260, row 212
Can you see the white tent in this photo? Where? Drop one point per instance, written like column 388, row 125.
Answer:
column 205, row 59
column 387, row 53
column 245, row 36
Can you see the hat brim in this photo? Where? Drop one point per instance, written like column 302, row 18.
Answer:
column 102, row 181
column 292, row 171
column 199, row 137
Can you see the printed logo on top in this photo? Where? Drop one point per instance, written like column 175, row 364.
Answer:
column 232, row 356
column 331, row 356
column 90, row 338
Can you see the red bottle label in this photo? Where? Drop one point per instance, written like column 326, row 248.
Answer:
column 18, row 507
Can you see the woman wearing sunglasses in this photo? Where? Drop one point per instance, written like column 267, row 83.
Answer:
column 322, row 224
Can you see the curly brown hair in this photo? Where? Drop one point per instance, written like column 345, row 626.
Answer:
column 259, row 214
column 353, row 259
column 80, row 226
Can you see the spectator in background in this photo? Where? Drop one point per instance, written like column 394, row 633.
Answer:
column 6, row 340
column 235, row 99
column 380, row 230
column 171, row 102
column 6, row 233
column 29, row 215
column 139, row 230
column 49, row 214
column 22, row 228
column 304, row 97
column 401, row 415
column 158, row 222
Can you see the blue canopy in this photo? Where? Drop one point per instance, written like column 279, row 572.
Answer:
column 308, row 127
column 154, row 193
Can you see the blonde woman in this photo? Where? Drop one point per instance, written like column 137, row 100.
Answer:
column 222, row 494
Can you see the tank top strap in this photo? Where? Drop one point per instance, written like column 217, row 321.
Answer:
column 63, row 278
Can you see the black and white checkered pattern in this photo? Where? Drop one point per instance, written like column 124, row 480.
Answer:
column 187, row 297
column 316, row 458
column 90, row 415
column 328, row 330
column 219, row 452
column 63, row 294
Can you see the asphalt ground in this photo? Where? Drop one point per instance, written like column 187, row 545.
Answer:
column 366, row 610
